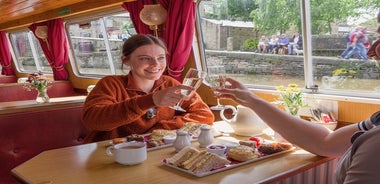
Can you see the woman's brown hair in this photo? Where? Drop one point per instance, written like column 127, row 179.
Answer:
column 138, row 40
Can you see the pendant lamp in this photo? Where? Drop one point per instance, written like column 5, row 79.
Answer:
column 153, row 15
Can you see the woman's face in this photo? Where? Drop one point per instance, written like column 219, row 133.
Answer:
column 147, row 62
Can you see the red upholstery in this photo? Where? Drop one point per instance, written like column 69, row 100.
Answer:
column 25, row 135
column 8, row 79
column 17, row 91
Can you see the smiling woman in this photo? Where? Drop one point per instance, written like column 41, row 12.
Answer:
column 122, row 105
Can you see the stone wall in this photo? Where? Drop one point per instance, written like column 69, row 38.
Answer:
column 291, row 65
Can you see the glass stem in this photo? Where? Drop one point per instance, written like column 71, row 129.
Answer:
column 218, row 102
column 179, row 104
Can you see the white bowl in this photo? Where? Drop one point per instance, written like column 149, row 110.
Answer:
column 330, row 125
column 169, row 139
column 218, row 149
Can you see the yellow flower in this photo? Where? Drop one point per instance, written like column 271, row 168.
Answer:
column 280, row 88
column 345, row 72
column 291, row 98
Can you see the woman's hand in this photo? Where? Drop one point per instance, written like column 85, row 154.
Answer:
column 236, row 91
column 171, row 96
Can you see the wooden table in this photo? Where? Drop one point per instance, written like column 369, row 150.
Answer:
column 89, row 164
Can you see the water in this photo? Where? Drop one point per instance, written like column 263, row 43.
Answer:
column 326, row 82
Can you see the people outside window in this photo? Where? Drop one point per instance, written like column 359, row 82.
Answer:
column 283, row 43
column 295, row 44
column 137, row 103
column 272, row 44
column 263, row 43
column 348, row 42
column 358, row 40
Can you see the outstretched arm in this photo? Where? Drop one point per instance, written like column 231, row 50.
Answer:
column 310, row 136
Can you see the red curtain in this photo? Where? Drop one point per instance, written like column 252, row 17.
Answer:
column 5, row 56
column 54, row 46
column 178, row 33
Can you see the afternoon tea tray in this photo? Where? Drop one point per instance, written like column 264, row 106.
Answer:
column 201, row 163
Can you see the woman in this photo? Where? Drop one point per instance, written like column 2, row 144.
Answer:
column 139, row 102
column 358, row 145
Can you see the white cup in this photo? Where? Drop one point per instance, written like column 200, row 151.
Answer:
column 218, row 149
column 128, row 153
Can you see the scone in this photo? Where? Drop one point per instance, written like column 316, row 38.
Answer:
column 135, row 137
column 242, row 153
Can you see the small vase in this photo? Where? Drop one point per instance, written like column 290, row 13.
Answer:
column 42, row 96
column 293, row 111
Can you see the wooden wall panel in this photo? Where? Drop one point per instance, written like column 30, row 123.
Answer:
column 354, row 111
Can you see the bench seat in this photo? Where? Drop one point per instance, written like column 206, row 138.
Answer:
column 8, row 79
column 26, row 134
column 17, row 91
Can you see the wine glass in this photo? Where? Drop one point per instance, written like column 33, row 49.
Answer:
column 194, row 79
column 216, row 78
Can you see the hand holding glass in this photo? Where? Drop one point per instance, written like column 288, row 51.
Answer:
column 194, row 79
column 216, row 78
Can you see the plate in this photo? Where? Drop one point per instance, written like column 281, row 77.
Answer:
column 233, row 164
column 150, row 148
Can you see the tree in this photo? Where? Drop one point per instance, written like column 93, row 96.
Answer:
column 235, row 8
column 272, row 16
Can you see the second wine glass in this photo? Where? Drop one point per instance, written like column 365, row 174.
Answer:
column 216, row 77
column 194, row 79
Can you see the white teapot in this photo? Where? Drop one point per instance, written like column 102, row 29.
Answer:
column 245, row 121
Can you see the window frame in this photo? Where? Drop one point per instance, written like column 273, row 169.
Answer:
column 310, row 88
column 33, row 48
column 98, row 17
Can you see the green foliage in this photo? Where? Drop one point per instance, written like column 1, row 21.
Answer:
column 250, row 44
column 126, row 26
column 235, row 8
column 232, row 9
column 272, row 16
column 251, row 71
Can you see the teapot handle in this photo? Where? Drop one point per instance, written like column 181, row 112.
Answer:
column 234, row 111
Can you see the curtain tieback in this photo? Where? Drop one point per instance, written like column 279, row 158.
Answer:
column 58, row 68
column 175, row 73
column 7, row 66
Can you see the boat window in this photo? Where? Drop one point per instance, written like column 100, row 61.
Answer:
column 27, row 52
column 242, row 42
column 96, row 43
